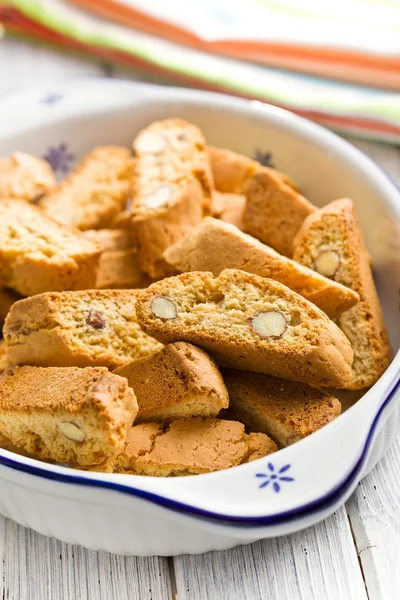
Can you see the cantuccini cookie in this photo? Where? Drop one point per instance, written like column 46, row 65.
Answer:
column 248, row 322
column 185, row 447
column 88, row 328
column 232, row 171
column 215, row 246
column 286, row 410
column 95, row 192
column 259, row 445
column 229, row 208
column 25, row 177
column 178, row 381
column 274, row 211
column 330, row 241
column 38, row 254
column 171, row 189
column 120, row 269
column 67, row 415
column 111, row 239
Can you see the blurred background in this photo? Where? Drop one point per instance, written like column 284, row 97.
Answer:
column 337, row 63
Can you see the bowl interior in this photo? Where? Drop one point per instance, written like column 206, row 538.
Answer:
column 324, row 166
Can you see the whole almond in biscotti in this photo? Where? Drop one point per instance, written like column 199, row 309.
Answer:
column 232, row 172
column 274, row 211
column 95, row 192
column 248, row 322
column 25, row 177
column 189, row 447
column 171, row 189
column 88, row 328
column 67, row 415
column 178, row 381
column 38, row 254
column 330, row 241
column 215, row 246
column 286, row 410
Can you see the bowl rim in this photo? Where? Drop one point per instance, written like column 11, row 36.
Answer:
column 324, row 501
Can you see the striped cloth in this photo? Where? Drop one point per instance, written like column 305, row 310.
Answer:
column 344, row 57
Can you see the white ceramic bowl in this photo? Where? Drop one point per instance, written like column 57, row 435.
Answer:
column 146, row 515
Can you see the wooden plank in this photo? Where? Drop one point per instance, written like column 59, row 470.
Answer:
column 37, row 567
column 317, row 563
column 374, row 514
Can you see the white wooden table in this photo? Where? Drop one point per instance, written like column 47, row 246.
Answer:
column 354, row 555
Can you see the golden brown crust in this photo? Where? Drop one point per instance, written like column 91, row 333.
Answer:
column 119, row 269
column 38, row 254
column 178, row 381
column 171, row 188
column 88, row 328
column 232, row 171
column 25, row 177
column 219, row 315
column 258, row 446
column 185, row 447
column 286, row 410
column 215, row 246
column 95, row 192
column 274, row 211
column 335, row 228
column 69, row 415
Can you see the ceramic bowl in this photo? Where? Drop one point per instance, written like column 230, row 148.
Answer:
column 309, row 480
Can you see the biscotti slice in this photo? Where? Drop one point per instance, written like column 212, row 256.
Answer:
column 178, row 381
column 25, row 177
column 7, row 299
column 171, row 189
column 88, row 328
column 95, row 191
column 330, row 241
column 248, row 322
column 184, row 447
column 232, row 171
column 111, row 239
column 229, row 208
column 68, row 415
column 274, row 211
column 119, row 269
column 259, row 445
column 215, row 246
column 38, row 254
column 286, row 410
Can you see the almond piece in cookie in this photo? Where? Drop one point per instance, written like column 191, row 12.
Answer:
column 331, row 242
column 232, row 171
column 68, row 415
column 274, row 211
column 95, row 192
column 229, row 317
column 88, row 328
column 25, row 177
column 215, row 246
column 184, row 447
column 286, row 410
column 178, row 381
column 38, row 254
column 171, row 189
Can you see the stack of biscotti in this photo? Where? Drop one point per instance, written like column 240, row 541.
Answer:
column 157, row 340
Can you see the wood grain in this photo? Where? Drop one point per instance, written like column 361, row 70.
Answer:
column 320, row 563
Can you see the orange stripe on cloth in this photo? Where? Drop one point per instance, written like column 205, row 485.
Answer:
column 17, row 23
column 356, row 67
